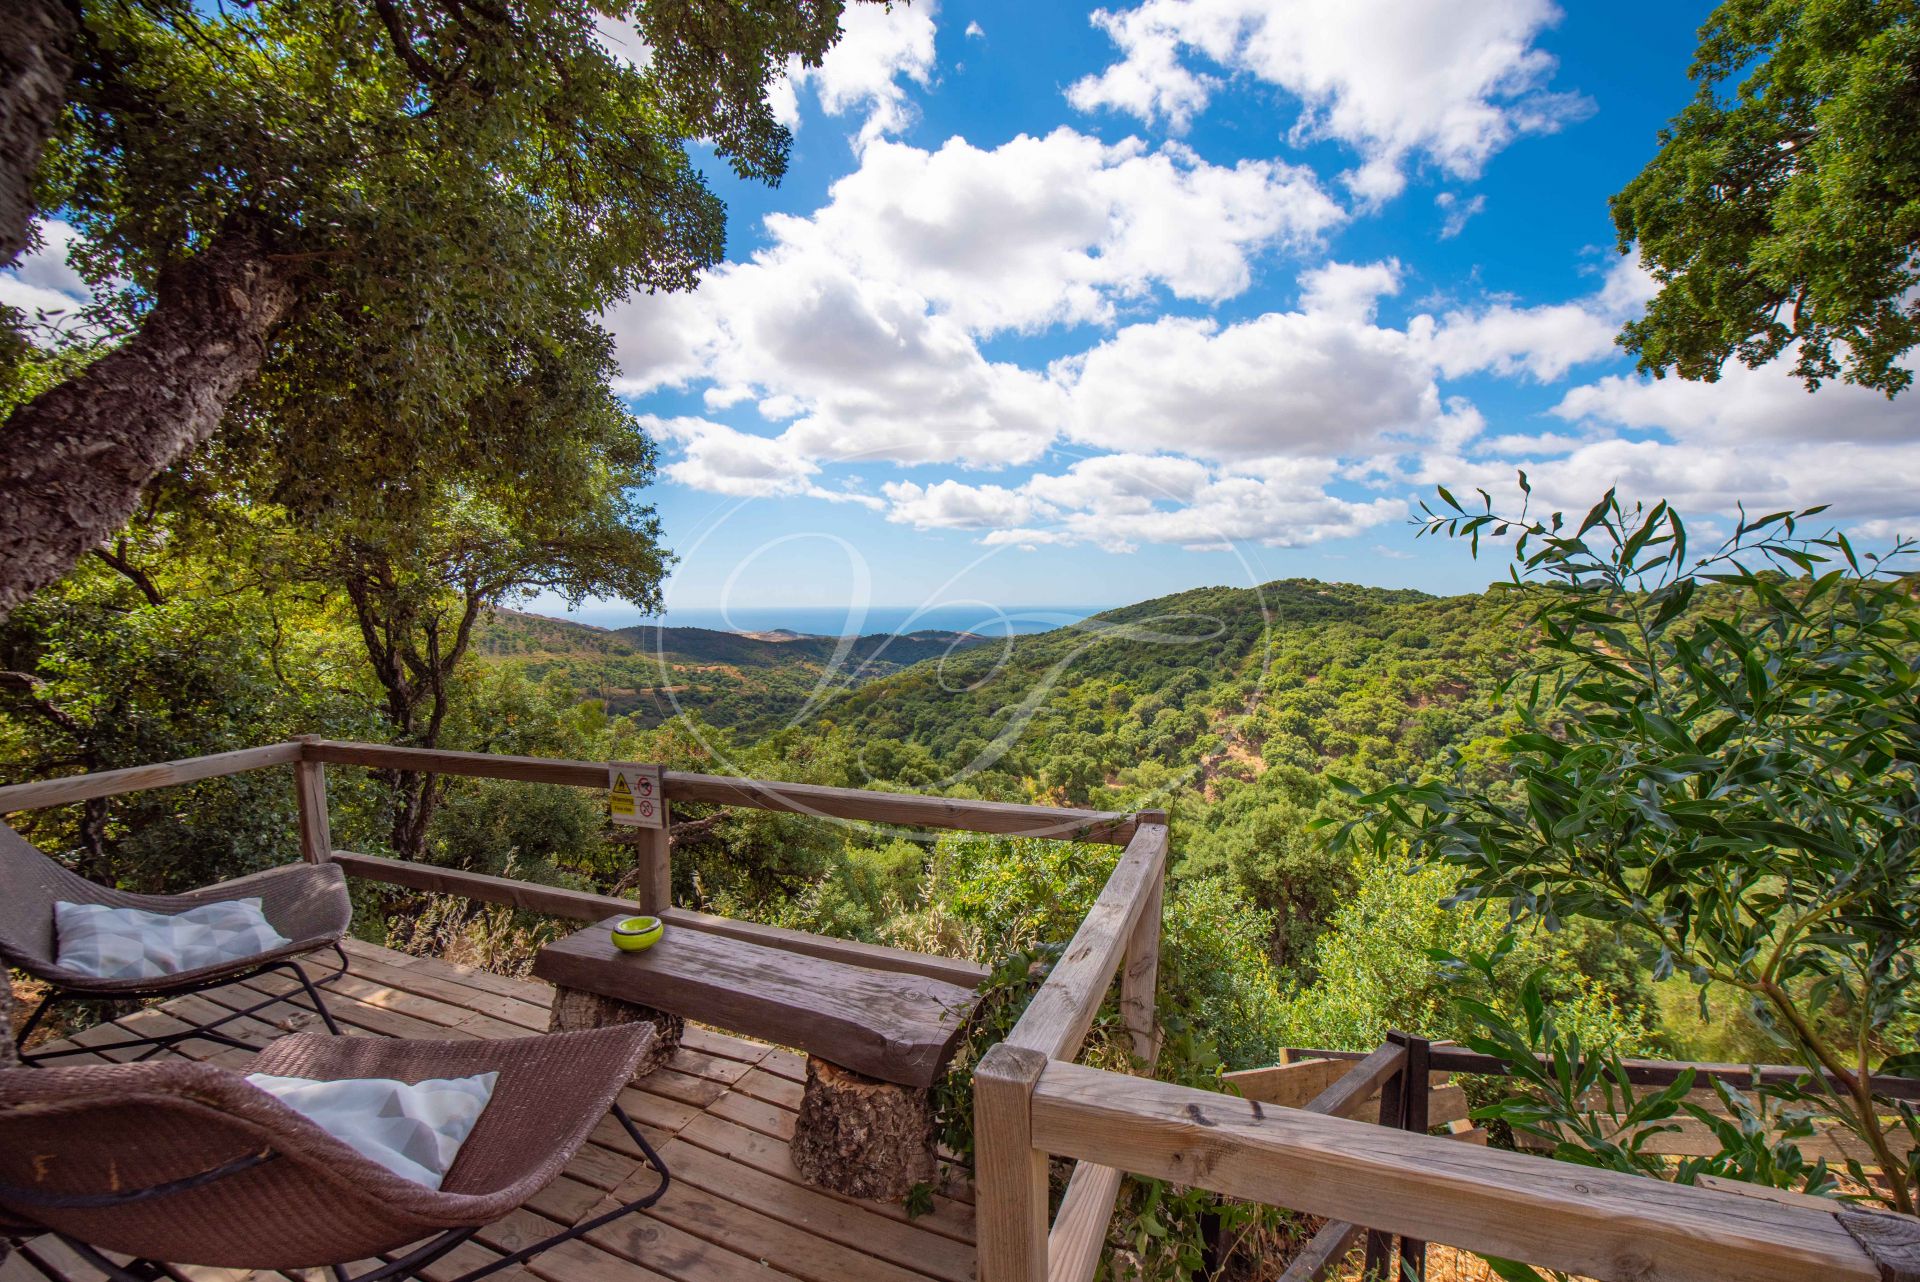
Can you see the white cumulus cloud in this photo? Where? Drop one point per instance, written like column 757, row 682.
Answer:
column 1061, row 228
column 1756, row 408
column 43, row 280
column 1397, row 80
column 882, row 49
column 858, row 327
column 1120, row 502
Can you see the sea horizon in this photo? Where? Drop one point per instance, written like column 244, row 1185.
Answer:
column 837, row 621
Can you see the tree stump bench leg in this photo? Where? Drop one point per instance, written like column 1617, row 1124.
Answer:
column 861, row 1136
column 575, row 1008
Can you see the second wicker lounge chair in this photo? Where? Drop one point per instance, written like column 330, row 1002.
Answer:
column 306, row 903
column 190, row 1164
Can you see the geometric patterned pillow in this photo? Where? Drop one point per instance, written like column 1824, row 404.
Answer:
column 413, row 1129
column 132, row 943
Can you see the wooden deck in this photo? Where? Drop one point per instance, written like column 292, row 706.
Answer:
column 721, row 1114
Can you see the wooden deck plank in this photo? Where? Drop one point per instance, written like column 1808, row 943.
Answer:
column 424, row 982
column 526, row 990
column 741, row 1229
column 348, row 1004
column 761, row 1084
column 467, row 1257
column 699, row 1063
column 659, row 1112
column 16, row 1267
column 950, row 1217
column 56, row 1259
column 373, row 995
column 782, row 1062
column 819, row 1213
column 726, row 1045
column 575, row 1261
column 697, row 1091
column 754, row 1114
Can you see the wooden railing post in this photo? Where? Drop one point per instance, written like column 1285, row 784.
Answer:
column 1393, row 1101
column 653, row 855
column 1140, row 971
column 310, row 789
column 1010, row 1174
column 1415, row 1116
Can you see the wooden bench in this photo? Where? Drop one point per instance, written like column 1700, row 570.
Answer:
column 876, row 1040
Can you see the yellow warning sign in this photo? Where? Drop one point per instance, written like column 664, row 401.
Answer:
column 634, row 794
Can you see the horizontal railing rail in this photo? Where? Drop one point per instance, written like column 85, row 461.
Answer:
column 1641, row 1072
column 999, row 818
column 582, row 905
column 44, row 793
column 1382, row 1178
column 1594, row 1223
column 310, row 755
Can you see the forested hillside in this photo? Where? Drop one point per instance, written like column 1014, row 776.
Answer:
column 1230, row 707
column 654, row 673
column 1255, row 716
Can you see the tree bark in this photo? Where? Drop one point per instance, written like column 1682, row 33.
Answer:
column 575, row 1008
column 74, row 459
column 413, row 668
column 863, row 1137
column 36, row 60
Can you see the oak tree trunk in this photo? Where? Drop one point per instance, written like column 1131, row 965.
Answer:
column 74, row 459
column 36, row 59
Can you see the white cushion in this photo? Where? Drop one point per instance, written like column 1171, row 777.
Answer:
column 132, row 943
column 413, row 1129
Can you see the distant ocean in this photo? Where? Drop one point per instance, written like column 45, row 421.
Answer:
column 835, row 621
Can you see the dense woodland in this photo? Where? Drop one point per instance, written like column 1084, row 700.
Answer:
column 751, row 681
column 1233, row 708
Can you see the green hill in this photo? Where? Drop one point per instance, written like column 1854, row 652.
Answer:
column 1218, row 683
column 753, row 682
column 1234, row 708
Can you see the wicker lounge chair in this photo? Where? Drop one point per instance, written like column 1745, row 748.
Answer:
column 188, row 1163
column 305, row 902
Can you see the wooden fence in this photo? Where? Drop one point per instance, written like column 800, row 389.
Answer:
column 1385, row 1179
column 310, row 756
column 1033, row 1103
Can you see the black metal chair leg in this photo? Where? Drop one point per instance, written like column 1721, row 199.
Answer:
column 313, row 995
column 133, row 1271
column 33, row 1021
column 585, row 1226
column 209, row 1031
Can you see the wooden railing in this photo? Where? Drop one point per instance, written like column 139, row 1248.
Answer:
column 1593, row 1223
column 1381, row 1180
column 310, row 756
column 1122, row 931
column 1033, row 1103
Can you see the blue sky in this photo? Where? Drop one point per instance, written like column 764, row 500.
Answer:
column 1070, row 307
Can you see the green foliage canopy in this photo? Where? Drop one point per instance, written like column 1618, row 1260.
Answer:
column 1783, row 209
column 1729, row 776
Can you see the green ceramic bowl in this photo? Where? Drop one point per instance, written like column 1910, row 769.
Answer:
column 637, row 934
